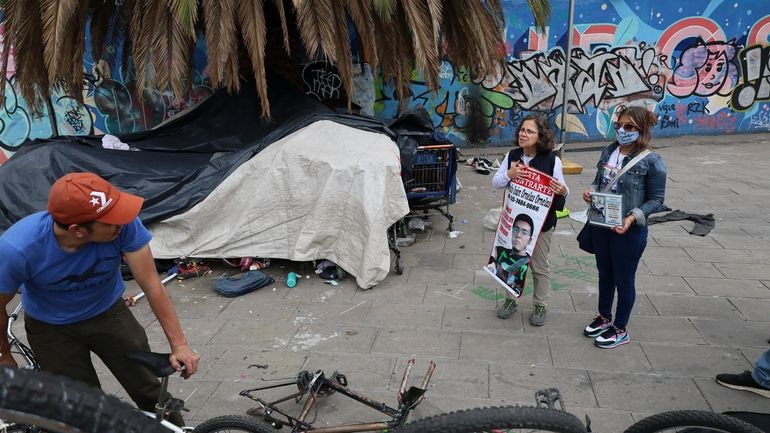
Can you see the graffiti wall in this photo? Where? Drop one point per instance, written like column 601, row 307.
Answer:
column 109, row 105
column 702, row 67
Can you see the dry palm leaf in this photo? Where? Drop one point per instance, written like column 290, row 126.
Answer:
column 342, row 49
column 222, row 42
column 315, row 21
column 24, row 34
column 284, row 26
column 541, row 9
column 56, row 16
column 141, row 42
column 253, row 31
column 179, row 40
column 361, row 13
column 425, row 38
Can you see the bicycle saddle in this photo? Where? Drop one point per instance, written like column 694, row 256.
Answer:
column 157, row 363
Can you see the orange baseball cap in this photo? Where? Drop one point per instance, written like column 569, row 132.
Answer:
column 77, row 198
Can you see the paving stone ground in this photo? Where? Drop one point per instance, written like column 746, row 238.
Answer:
column 702, row 309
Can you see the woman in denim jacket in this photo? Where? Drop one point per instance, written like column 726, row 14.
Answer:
column 619, row 249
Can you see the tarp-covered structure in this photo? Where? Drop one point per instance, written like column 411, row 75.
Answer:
column 220, row 182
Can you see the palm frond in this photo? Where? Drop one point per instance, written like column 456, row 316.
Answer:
column 425, row 38
column 76, row 45
column 104, row 19
column 385, row 8
column 284, row 26
column 253, row 30
column 185, row 15
column 56, row 16
column 171, row 49
column 222, row 41
column 315, row 28
column 342, row 49
column 482, row 51
column 361, row 13
column 24, row 34
column 141, row 42
column 395, row 52
column 541, row 9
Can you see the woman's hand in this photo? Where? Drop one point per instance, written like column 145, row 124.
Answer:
column 587, row 196
column 517, row 171
column 627, row 223
column 558, row 187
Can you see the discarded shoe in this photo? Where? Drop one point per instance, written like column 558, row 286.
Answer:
column 192, row 269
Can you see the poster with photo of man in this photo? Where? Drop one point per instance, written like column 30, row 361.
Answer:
column 525, row 206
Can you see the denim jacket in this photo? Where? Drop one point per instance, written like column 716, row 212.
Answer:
column 643, row 186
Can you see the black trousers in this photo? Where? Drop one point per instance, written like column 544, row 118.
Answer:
column 66, row 350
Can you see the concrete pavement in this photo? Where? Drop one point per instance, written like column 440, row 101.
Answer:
column 702, row 308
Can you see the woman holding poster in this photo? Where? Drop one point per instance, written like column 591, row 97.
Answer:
column 618, row 249
column 535, row 149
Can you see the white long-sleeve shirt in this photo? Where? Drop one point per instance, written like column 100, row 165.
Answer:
column 501, row 179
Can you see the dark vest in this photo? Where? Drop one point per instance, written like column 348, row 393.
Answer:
column 544, row 162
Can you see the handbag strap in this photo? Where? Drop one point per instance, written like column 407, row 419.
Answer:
column 630, row 164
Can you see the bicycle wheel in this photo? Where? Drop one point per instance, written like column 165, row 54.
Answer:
column 234, row 423
column 37, row 401
column 692, row 421
column 489, row 419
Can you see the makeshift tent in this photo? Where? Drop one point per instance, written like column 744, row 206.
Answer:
column 329, row 186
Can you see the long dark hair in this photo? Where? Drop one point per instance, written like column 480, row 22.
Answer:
column 545, row 137
column 644, row 121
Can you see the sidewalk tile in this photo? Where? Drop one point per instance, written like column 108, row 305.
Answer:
column 646, row 392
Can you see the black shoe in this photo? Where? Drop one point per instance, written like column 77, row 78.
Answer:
column 743, row 382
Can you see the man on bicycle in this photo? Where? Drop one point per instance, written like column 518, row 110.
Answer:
column 66, row 261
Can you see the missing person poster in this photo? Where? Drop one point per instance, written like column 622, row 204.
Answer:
column 525, row 207
column 606, row 209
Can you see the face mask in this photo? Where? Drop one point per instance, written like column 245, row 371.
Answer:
column 625, row 138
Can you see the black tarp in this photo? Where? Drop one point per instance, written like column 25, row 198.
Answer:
column 183, row 160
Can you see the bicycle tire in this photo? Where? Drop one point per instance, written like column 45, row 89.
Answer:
column 234, row 423
column 496, row 418
column 709, row 421
column 60, row 405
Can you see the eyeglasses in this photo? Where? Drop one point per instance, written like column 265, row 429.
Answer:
column 628, row 127
column 520, row 231
column 527, row 131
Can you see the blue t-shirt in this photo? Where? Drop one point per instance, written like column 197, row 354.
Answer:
column 62, row 287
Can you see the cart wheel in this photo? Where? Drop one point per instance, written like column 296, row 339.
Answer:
column 399, row 266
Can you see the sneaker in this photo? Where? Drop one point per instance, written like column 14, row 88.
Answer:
column 506, row 311
column 192, row 269
column 538, row 316
column 596, row 327
column 743, row 382
column 612, row 337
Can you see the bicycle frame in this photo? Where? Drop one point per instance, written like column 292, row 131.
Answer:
column 319, row 385
column 17, row 346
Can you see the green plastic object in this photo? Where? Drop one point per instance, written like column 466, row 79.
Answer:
column 562, row 213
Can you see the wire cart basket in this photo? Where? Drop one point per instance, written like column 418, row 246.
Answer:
column 430, row 188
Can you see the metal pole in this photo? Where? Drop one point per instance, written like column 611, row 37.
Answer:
column 568, row 60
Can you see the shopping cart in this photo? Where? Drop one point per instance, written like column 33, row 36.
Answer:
column 431, row 185
column 430, row 189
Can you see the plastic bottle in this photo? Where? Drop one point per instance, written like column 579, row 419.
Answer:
column 291, row 279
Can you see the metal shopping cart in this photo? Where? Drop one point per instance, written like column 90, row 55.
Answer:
column 431, row 185
column 430, row 189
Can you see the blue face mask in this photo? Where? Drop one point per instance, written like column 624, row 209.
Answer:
column 625, row 138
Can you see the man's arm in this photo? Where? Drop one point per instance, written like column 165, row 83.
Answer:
column 5, row 347
column 143, row 269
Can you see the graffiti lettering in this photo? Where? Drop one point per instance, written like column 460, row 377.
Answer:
column 323, row 81
column 761, row 120
column 697, row 107
column 721, row 122
column 755, row 66
column 74, row 118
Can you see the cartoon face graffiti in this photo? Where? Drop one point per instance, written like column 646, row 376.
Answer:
column 705, row 69
column 713, row 73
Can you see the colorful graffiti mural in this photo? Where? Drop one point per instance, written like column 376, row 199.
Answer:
column 109, row 107
column 701, row 67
